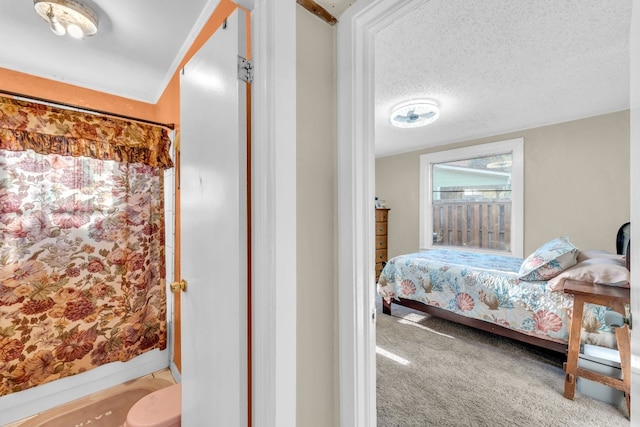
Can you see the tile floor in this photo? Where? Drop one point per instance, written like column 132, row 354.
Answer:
column 164, row 374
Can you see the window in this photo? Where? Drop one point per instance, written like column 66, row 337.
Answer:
column 472, row 198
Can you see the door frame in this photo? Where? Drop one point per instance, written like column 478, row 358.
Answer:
column 356, row 167
column 273, row 182
column 634, row 89
column 273, row 205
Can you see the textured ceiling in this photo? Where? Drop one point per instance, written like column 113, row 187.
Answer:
column 493, row 66
column 496, row 66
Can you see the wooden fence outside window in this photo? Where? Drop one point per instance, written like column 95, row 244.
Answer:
column 483, row 225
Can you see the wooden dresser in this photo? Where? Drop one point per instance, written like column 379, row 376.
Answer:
column 382, row 215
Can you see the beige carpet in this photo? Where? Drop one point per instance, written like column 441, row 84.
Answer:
column 458, row 376
column 107, row 408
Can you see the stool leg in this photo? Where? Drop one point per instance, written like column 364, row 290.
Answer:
column 571, row 367
column 624, row 348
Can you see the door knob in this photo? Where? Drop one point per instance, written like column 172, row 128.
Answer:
column 178, row 286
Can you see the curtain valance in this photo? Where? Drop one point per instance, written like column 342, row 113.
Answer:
column 50, row 130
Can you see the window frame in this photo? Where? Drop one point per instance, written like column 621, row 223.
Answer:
column 516, row 148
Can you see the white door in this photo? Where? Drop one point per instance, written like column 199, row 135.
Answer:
column 213, row 219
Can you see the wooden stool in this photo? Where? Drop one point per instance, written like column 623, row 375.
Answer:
column 608, row 296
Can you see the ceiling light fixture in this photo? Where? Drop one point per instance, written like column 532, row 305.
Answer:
column 67, row 16
column 414, row 114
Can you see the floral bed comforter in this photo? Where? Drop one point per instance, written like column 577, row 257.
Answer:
column 487, row 287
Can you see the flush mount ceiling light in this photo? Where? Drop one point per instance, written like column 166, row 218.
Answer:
column 68, row 16
column 414, row 114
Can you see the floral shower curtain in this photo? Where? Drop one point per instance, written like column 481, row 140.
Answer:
column 82, row 271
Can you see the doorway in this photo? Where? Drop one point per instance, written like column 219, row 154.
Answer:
column 356, row 164
column 356, row 170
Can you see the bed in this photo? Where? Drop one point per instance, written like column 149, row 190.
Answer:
column 514, row 297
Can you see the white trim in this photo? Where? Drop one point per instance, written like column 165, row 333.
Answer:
column 356, row 276
column 514, row 146
column 196, row 29
column 634, row 89
column 170, row 248
column 274, row 213
column 247, row 4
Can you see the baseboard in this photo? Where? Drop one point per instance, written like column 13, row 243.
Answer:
column 175, row 372
column 16, row 406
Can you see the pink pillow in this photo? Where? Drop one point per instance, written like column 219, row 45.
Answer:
column 601, row 271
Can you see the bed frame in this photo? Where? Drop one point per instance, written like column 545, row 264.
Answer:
column 475, row 323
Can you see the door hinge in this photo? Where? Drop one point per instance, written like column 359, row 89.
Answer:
column 245, row 69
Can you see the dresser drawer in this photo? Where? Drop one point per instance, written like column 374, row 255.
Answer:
column 382, row 215
column 379, row 266
column 381, row 228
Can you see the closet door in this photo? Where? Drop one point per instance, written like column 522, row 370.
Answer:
column 213, row 211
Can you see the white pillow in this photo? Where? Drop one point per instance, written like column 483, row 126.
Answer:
column 598, row 253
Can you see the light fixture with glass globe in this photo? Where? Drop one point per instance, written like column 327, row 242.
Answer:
column 68, row 17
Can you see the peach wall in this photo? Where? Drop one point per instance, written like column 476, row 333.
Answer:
column 166, row 110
